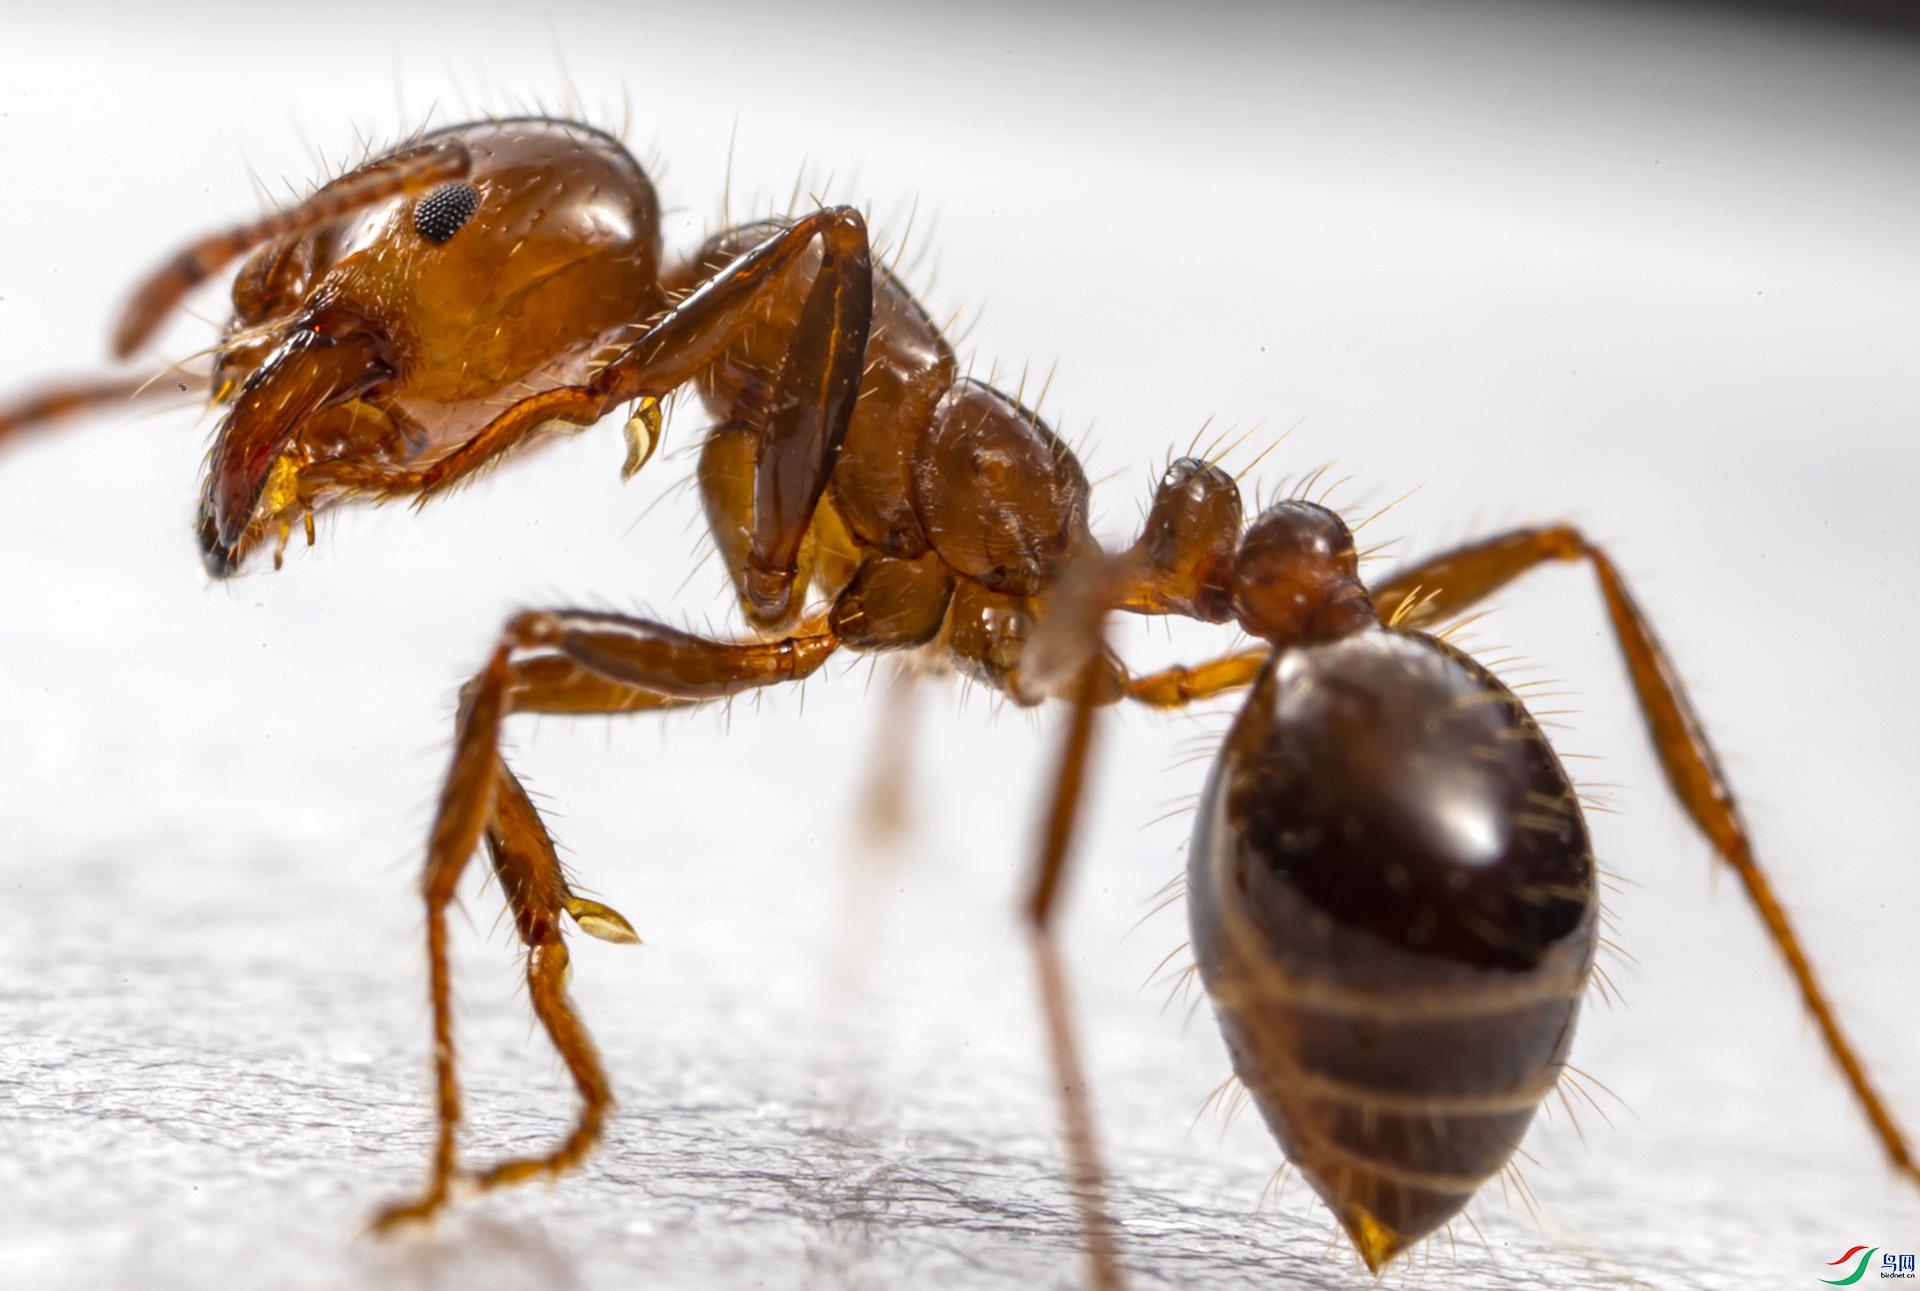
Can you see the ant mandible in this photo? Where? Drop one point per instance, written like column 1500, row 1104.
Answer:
column 1391, row 889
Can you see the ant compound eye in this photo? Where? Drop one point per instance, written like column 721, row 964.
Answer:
column 439, row 215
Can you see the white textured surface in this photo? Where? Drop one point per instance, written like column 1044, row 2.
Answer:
column 1654, row 273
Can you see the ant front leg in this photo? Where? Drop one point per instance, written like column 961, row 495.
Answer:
column 810, row 409
column 813, row 396
column 1451, row 582
column 567, row 661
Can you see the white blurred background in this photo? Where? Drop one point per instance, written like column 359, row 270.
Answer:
column 1653, row 270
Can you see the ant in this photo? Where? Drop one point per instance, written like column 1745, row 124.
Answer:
column 1392, row 894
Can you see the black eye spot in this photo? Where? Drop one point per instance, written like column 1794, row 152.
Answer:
column 439, row 215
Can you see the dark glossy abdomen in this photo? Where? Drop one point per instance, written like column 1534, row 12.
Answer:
column 1392, row 902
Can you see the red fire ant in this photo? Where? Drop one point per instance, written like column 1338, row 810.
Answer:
column 1392, row 891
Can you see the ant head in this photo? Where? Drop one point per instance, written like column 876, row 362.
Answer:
column 385, row 335
column 1296, row 578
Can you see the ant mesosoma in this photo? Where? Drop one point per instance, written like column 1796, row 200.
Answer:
column 1391, row 889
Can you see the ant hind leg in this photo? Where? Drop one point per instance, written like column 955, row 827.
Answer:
column 1088, row 1175
column 1452, row 581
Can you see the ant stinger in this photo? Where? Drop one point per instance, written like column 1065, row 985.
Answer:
column 1392, row 893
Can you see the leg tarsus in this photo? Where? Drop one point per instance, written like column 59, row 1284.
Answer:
column 547, row 971
column 1089, row 1179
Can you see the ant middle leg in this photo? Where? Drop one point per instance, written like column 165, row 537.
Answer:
column 568, row 661
column 1451, row 582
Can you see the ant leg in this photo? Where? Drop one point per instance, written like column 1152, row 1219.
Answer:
column 898, row 606
column 53, row 403
column 1177, row 687
column 1445, row 585
column 465, row 804
column 887, row 794
column 530, row 875
column 813, row 396
column 812, row 401
column 1454, row 580
column 828, row 555
column 555, row 661
column 1083, row 1151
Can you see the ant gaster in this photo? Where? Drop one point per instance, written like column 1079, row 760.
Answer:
column 1391, row 889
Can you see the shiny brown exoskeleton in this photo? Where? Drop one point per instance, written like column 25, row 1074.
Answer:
column 1392, row 893
column 1393, row 908
column 1392, row 900
column 1390, row 885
